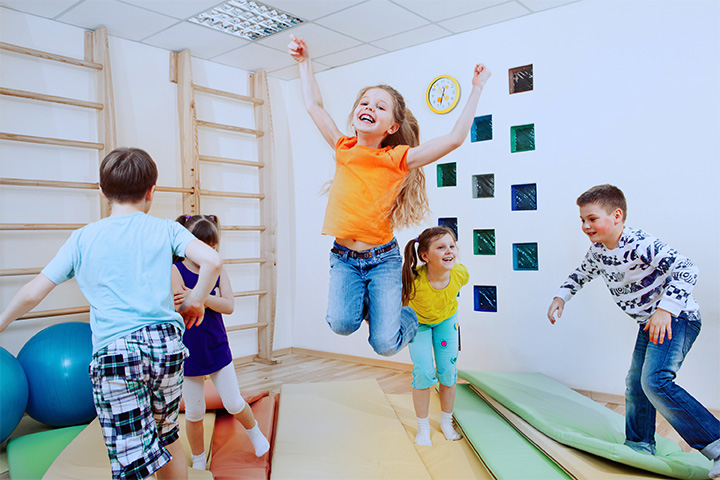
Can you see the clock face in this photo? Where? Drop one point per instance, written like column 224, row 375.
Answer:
column 443, row 94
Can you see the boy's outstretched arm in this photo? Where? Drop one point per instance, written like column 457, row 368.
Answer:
column 438, row 147
column 26, row 299
column 557, row 305
column 311, row 92
column 193, row 308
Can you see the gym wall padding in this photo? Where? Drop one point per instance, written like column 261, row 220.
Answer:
column 575, row 420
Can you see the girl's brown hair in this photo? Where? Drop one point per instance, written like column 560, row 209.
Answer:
column 411, row 203
column 409, row 272
column 205, row 228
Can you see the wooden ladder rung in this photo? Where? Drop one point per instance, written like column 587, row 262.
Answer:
column 243, row 228
column 231, row 161
column 214, row 193
column 12, row 272
column 174, row 189
column 41, row 226
column 50, row 98
column 246, row 326
column 222, row 93
column 230, row 128
column 238, row 261
column 55, row 313
column 49, row 56
column 24, row 182
column 50, row 141
column 249, row 293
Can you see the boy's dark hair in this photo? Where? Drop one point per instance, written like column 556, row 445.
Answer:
column 126, row 175
column 606, row 196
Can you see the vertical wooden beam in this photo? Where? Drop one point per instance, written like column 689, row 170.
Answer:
column 99, row 51
column 258, row 87
column 187, row 114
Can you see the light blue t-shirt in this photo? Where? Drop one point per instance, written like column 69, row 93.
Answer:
column 123, row 266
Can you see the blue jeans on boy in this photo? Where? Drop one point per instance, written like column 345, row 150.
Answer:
column 368, row 285
column 651, row 385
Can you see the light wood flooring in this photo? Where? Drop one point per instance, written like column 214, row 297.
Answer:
column 310, row 368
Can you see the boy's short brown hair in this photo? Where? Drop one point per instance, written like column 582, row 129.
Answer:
column 606, row 196
column 126, row 175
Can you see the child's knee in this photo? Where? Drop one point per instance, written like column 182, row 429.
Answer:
column 655, row 383
column 343, row 325
column 235, row 405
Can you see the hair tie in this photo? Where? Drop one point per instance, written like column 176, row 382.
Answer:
column 187, row 217
column 416, row 239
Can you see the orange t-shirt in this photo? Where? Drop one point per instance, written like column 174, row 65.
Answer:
column 365, row 185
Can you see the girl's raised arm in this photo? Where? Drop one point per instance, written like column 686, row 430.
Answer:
column 438, row 147
column 311, row 92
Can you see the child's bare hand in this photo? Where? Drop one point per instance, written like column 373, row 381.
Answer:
column 481, row 74
column 180, row 297
column 298, row 49
column 557, row 305
column 192, row 312
column 658, row 325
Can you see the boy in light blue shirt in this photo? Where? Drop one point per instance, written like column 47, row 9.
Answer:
column 122, row 264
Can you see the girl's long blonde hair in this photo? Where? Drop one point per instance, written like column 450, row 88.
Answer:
column 411, row 204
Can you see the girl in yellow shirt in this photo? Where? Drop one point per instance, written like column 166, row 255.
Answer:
column 431, row 291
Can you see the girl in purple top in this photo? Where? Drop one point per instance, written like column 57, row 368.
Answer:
column 209, row 349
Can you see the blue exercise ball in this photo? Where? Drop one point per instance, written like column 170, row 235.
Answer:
column 14, row 397
column 56, row 362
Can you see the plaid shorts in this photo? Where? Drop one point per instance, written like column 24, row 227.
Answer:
column 137, row 385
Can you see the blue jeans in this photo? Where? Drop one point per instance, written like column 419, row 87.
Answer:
column 441, row 339
column 650, row 385
column 370, row 288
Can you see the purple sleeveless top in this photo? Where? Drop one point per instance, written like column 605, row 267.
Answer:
column 208, row 342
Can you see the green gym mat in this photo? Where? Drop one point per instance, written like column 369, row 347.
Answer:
column 503, row 450
column 575, row 420
column 31, row 455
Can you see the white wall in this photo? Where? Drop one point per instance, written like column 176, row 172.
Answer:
column 146, row 117
column 624, row 94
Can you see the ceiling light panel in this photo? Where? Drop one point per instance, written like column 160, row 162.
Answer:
column 247, row 19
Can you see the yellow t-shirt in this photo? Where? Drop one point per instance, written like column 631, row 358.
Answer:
column 365, row 185
column 433, row 306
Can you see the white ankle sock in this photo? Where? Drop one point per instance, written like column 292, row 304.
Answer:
column 258, row 440
column 446, row 425
column 423, row 433
column 199, row 461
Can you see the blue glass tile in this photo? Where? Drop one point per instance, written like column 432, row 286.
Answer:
column 484, row 242
column 485, row 298
column 447, row 174
column 525, row 256
column 524, row 197
column 522, row 138
column 481, row 129
column 449, row 222
column 483, row 186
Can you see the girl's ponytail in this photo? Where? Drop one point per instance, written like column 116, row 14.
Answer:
column 408, row 271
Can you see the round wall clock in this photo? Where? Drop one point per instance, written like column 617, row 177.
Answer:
column 443, row 94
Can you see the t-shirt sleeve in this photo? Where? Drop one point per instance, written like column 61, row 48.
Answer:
column 463, row 274
column 399, row 156
column 181, row 237
column 62, row 266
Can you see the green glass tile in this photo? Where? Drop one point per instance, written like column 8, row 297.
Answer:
column 447, row 174
column 484, row 242
column 522, row 138
column 525, row 256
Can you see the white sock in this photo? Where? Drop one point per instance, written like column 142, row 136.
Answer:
column 446, row 425
column 715, row 471
column 199, row 461
column 258, row 440
column 423, row 434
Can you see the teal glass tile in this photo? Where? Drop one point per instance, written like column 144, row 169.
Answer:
column 481, row 129
column 522, row 138
column 483, row 186
column 521, row 79
column 525, row 256
column 447, row 175
column 524, row 197
column 449, row 222
column 484, row 242
column 485, row 298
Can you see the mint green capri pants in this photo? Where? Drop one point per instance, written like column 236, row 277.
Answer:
column 443, row 340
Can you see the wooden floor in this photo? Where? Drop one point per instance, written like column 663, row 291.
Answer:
column 305, row 368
